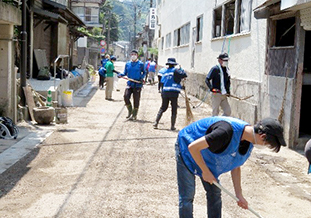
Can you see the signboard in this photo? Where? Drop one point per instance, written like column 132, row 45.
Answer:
column 102, row 43
column 102, row 50
column 153, row 17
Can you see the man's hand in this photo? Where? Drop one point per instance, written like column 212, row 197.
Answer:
column 208, row 177
column 242, row 202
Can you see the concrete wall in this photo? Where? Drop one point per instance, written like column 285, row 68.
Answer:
column 9, row 16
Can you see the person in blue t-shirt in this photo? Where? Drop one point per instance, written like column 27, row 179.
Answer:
column 135, row 72
column 216, row 145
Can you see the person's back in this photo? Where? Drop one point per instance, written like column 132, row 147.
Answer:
column 109, row 69
column 152, row 66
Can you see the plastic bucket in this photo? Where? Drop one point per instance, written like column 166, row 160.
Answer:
column 60, row 115
column 67, row 98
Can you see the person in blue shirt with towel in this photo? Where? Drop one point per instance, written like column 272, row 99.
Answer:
column 135, row 72
column 216, row 145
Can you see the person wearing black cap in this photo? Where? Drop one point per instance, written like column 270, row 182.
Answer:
column 135, row 72
column 215, row 145
column 308, row 154
column 171, row 87
column 218, row 81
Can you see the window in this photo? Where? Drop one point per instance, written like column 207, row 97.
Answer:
column 182, row 35
column 199, row 28
column 217, row 21
column 232, row 18
column 168, row 40
column 177, row 37
column 229, row 18
column 245, row 9
column 285, row 32
column 91, row 15
column 88, row 14
column 185, row 34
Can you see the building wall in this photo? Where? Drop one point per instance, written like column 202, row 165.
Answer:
column 9, row 16
column 246, row 50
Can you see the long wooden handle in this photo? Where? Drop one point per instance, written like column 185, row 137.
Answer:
column 235, row 198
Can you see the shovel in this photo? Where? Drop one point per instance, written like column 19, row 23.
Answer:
column 235, row 198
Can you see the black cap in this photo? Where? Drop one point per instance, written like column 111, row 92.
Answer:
column 308, row 154
column 171, row 61
column 134, row 51
column 113, row 58
column 272, row 127
column 223, row 56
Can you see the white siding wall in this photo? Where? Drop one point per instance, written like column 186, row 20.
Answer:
column 247, row 51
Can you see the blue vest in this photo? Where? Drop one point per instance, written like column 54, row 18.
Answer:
column 134, row 70
column 169, row 85
column 217, row 163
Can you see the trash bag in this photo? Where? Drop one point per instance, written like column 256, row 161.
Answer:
column 44, row 74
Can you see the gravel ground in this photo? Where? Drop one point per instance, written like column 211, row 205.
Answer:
column 101, row 165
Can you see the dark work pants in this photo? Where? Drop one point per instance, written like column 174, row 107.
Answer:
column 165, row 102
column 136, row 96
column 101, row 80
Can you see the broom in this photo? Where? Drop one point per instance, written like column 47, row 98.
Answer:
column 189, row 115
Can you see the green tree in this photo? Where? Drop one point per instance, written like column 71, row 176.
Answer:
column 106, row 15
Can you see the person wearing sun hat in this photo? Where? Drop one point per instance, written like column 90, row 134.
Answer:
column 170, row 79
column 308, row 154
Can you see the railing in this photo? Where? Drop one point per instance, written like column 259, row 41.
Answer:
column 60, row 57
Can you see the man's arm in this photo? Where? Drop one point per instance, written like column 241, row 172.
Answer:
column 208, row 78
column 195, row 150
column 124, row 72
column 236, row 179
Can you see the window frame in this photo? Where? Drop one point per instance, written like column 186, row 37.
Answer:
column 199, row 28
column 221, row 18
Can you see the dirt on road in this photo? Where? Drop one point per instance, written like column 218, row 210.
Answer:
column 102, row 165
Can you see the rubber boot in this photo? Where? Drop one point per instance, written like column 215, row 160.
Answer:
column 130, row 110
column 159, row 115
column 134, row 115
column 173, row 121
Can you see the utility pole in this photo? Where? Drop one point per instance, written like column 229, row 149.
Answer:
column 23, row 51
column 108, row 34
column 135, row 21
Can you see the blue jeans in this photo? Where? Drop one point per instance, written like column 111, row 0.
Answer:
column 186, row 190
